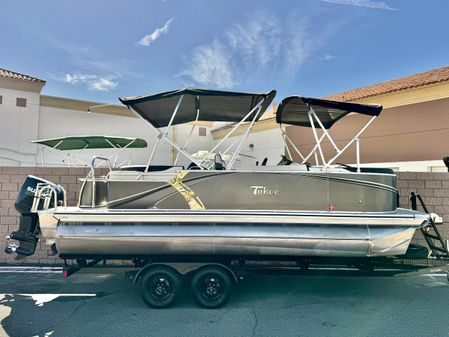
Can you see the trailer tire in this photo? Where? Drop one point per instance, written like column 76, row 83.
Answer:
column 160, row 286
column 211, row 287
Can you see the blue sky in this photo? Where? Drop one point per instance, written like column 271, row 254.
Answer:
column 100, row 50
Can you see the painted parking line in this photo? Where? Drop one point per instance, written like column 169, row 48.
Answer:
column 435, row 275
column 40, row 299
column 29, row 269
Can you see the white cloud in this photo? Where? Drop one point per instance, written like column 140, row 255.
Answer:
column 150, row 38
column 93, row 82
column 102, row 84
column 247, row 50
column 299, row 45
column 327, row 57
column 363, row 3
column 211, row 65
column 257, row 40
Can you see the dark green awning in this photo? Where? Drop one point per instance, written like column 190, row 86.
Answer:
column 213, row 105
column 91, row 142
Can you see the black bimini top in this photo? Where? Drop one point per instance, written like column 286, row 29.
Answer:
column 216, row 106
column 294, row 111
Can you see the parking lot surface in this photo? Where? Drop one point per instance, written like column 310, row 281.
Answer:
column 45, row 304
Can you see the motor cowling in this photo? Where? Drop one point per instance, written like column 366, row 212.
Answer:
column 28, row 233
column 25, row 198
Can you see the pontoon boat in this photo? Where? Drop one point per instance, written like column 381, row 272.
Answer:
column 219, row 210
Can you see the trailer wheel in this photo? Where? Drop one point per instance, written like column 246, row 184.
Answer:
column 211, row 287
column 160, row 286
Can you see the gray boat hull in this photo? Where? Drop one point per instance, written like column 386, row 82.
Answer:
column 252, row 189
column 97, row 233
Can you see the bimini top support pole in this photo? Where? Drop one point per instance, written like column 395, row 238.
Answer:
column 356, row 138
column 191, row 131
column 232, row 131
column 287, row 141
column 310, row 113
column 165, row 134
column 250, row 126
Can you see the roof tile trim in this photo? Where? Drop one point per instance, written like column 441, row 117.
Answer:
column 18, row 76
column 408, row 82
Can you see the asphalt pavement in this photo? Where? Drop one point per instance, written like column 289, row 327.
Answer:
column 45, row 304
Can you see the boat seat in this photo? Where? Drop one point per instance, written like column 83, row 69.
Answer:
column 101, row 194
column 383, row 170
column 376, row 170
column 193, row 166
column 218, row 163
column 284, row 161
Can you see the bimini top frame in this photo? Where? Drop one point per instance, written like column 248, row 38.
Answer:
column 70, row 143
column 322, row 114
column 167, row 109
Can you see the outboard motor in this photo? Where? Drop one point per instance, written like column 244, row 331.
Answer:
column 28, row 234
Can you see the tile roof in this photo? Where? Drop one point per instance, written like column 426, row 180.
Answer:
column 399, row 84
column 18, row 76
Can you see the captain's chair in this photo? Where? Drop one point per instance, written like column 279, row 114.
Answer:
column 218, row 162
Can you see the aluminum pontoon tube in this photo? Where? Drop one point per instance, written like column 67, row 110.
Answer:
column 242, row 233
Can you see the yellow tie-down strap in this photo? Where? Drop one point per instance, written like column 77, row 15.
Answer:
column 192, row 199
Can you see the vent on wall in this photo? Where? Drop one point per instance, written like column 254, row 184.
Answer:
column 21, row 102
column 1, row 99
column 202, row 131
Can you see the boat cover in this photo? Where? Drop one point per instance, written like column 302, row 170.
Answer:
column 91, row 142
column 216, row 106
column 294, row 111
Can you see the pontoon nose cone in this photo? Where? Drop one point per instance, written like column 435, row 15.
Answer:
column 436, row 218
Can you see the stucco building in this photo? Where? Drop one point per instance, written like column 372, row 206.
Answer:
column 411, row 134
column 26, row 115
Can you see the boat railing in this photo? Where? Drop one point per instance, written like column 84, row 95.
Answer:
column 47, row 193
column 91, row 176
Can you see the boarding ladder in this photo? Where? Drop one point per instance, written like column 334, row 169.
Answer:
column 431, row 233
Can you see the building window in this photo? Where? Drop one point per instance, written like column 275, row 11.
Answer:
column 202, row 131
column 21, row 102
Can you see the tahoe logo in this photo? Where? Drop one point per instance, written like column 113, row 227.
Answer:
column 263, row 190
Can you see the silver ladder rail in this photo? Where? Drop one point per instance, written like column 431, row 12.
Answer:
column 431, row 233
column 47, row 192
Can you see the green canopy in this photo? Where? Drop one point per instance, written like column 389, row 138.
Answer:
column 91, row 142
